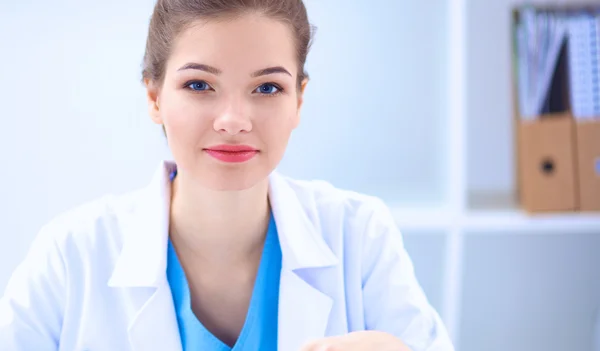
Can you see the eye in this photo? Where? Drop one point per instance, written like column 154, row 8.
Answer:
column 198, row 85
column 268, row 89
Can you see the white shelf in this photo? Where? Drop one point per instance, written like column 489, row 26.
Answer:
column 495, row 213
column 508, row 222
column 500, row 212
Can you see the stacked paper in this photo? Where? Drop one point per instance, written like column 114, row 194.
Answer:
column 584, row 65
column 540, row 37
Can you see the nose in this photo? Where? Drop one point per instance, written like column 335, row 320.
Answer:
column 234, row 118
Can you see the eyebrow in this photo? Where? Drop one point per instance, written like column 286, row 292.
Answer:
column 200, row 67
column 270, row 70
column 216, row 71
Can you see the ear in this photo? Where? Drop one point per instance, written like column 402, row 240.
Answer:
column 300, row 100
column 152, row 92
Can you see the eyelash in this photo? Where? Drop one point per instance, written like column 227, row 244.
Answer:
column 280, row 90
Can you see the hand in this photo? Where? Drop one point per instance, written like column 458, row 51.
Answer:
column 358, row 341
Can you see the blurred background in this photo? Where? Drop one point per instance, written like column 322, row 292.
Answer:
column 412, row 101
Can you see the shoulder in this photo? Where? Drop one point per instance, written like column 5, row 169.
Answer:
column 90, row 224
column 75, row 241
column 364, row 212
column 325, row 193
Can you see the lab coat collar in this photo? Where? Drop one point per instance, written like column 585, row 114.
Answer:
column 145, row 227
column 302, row 244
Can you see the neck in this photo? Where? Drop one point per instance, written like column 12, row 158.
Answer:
column 219, row 224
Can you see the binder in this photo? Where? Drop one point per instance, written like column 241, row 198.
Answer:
column 588, row 160
column 557, row 108
column 545, row 142
column 547, row 163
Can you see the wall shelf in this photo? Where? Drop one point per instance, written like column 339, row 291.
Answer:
column 499, row 212
column 507, row 221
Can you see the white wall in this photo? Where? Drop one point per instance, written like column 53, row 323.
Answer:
column 376, row 106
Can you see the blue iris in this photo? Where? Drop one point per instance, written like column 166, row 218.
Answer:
column 268, row 89
column 199, row 86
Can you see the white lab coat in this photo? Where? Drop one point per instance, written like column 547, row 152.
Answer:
column 95, row 279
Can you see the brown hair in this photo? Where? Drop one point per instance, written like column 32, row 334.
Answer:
column 171, row 17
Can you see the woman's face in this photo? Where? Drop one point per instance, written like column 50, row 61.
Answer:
column 229, row 100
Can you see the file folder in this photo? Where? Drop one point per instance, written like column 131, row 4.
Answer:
column 588, row 160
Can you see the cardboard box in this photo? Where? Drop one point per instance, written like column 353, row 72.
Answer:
column 588, row 162
column 547, row 163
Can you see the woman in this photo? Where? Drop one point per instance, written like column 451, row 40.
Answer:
column 220, row 252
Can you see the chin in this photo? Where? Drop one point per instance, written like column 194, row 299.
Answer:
column 234, row 180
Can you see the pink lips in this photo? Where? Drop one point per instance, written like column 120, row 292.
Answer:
column 232, row 153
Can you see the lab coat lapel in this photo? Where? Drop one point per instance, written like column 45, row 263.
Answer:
column 155, row 325
column 303, row 309
column 303, row 312
column 141, row 267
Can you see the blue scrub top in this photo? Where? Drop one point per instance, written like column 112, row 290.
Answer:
column 260, row 328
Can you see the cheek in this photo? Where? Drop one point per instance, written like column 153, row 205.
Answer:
column 185, row 118
column 277, row 126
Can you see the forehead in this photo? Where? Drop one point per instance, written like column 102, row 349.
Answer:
column 248, row 42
